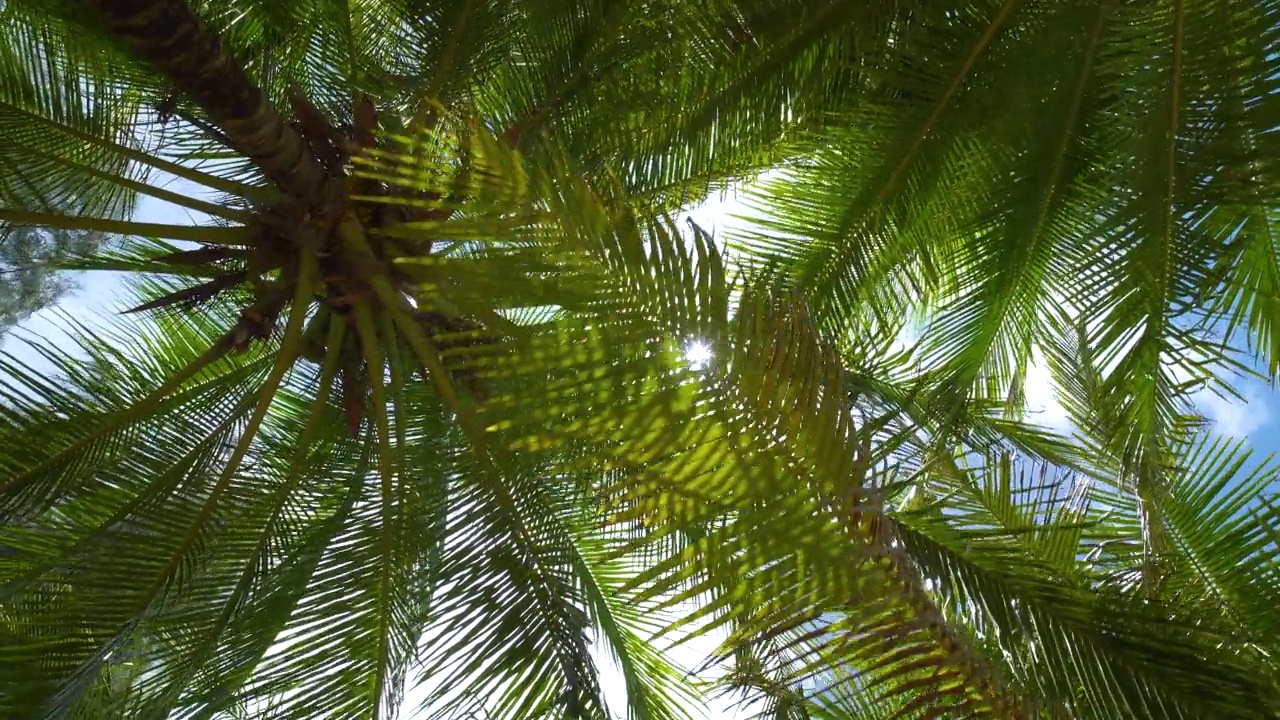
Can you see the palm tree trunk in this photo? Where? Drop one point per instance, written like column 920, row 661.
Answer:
column 168, row 34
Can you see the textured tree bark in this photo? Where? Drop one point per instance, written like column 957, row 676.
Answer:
column 168, row 34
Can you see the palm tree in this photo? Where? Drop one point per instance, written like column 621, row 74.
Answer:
column 408, row 403
column 1045, row 570
column 290, row 235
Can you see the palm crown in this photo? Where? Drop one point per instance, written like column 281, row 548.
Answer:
column 407, row 402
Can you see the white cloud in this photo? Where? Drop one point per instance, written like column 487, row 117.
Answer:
column 1043, row 407
column 720, row 212
column 1232, row 417
column 1229, row 416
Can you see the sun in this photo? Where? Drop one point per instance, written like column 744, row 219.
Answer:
column 698, row 354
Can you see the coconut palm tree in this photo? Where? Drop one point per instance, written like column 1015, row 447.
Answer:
column 1084, row 180
column 1013, row 547
column 408, row 407
column 122, row 97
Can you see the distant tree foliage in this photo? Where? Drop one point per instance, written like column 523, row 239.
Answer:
column 29, row 280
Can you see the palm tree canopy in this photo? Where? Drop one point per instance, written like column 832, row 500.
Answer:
column 404, row 404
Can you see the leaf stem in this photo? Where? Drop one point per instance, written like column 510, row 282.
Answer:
column 375, row 360
column 194, row 233
column 285, row 358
